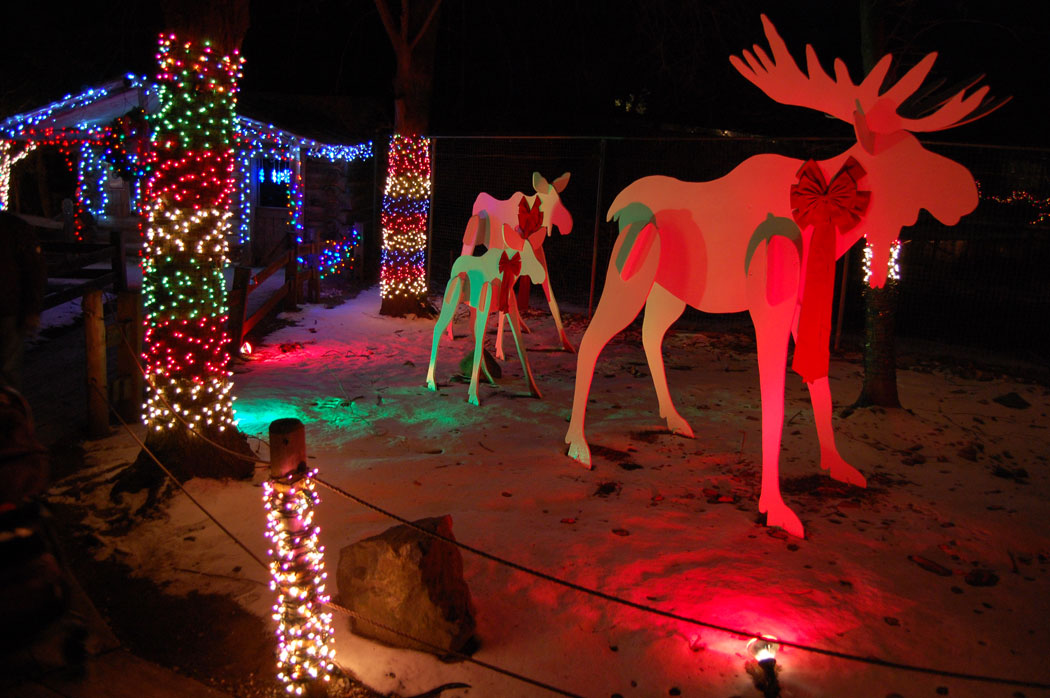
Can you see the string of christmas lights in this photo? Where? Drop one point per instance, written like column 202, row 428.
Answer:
column 893, row 270
column 8, row 158
column 406, row 208
column 257, row 141
column 304, row 629
column 338, row 256
column 1041, row 205
column 189, row 191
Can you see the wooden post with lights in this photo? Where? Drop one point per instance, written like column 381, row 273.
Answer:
column 304, row 658
column 129, row 348
column 287, row 447
column 95, row 347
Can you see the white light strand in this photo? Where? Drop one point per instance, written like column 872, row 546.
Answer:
column 304, row 630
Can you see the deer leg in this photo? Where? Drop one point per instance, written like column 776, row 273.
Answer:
column 661, row 310
column 830, row 459
column 553, row 303
column 775, row 263
column 479, row 335
column 499, row 336
column 515, row 331
column 486, row 357
column 620, row 303
column 448, row 309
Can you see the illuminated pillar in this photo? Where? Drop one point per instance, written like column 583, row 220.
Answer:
column 406, row 207
column 189, row 195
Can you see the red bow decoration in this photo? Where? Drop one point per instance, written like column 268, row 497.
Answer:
column 509, row 268
column 827, row 206
column 530, row 218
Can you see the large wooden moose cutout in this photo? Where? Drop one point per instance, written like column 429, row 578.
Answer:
column 488, row 280
column 765, row 237
column 486, row 225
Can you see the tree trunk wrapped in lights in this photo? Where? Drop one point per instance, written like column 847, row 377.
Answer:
column 406, row 199
column 189, row 194
column 880, row 357
column 406, row 207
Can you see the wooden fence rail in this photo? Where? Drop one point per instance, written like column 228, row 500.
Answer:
column 290, row 291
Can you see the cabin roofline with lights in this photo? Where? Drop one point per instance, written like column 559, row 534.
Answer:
column 289, row 187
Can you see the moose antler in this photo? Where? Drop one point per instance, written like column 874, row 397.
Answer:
column 782, row 80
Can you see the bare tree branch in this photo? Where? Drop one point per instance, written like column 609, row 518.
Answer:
column 388, row 24
column 426, row 24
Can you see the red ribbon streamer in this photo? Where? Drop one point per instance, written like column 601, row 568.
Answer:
column 827, row 207
column 509, row 268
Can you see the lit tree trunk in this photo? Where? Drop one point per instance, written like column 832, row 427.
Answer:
column 189, row 192
column 880, row 304
column 406, row 197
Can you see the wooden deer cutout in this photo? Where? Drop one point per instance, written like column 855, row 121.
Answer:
column 765, row 237
column 487, row 223
column 487, row 281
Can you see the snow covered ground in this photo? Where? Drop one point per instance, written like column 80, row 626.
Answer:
column 941, row 562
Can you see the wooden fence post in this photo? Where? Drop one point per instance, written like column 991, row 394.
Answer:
column 120, row 260
column 287, row 446
column 129, row 351
column 304, row 658
column 313, row 281
column 95, row 346
column 238, row 302
column 291, row 279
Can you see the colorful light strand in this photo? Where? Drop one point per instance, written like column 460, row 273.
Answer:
column 189, row 190
column 1041, row 205
column 304, row 629
column 406, row 208
column 338, row 256
column 257, row 141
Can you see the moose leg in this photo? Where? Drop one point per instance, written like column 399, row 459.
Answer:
column 830, row 459
column 661, row 310
column 515, row 331
column 553, row 303
column 620, row 303
column 448, row 309
column 773, row 274
column 479, row 336
column 499, row 336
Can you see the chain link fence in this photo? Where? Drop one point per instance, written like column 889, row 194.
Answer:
column 978, row 286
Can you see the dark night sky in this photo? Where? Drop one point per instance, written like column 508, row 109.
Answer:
column 553, row 66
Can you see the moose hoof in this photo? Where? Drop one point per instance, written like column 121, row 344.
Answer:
column 431, row 384
column 473, row 399
column 567, row 345
column 677, row 425
column 579, row 451
column 780, row 515
column 841, row 470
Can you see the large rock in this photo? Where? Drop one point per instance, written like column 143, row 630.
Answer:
column 411, row 582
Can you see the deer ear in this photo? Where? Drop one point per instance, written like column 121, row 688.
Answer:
column 560, row 183
column 860, row 126
column 539, row 183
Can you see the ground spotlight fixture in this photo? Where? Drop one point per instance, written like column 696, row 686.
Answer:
column 764, row 670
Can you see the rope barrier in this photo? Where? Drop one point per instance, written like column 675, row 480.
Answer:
column 332, row 604
column 178, row 484
column 457, row 655
column 190, row 427
column 875, row 661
